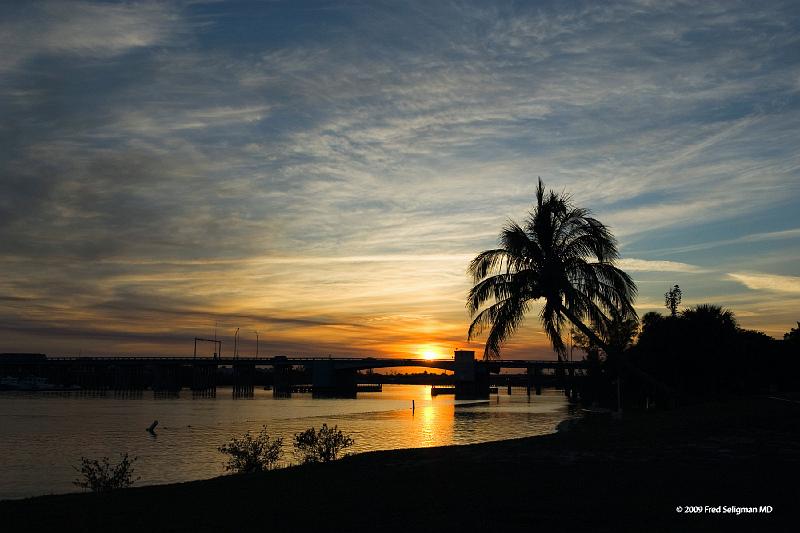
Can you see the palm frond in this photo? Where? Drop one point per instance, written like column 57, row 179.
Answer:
column 502, row 319
column 487, row 262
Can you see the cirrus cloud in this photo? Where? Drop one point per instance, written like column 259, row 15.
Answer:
column 768, row 282
column 645, row 265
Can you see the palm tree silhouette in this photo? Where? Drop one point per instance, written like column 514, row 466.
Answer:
column 562, row 256
column 708, row 316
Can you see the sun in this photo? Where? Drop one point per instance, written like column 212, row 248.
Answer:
column 429, row 352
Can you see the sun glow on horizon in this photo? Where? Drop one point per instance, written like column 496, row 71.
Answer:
column 430, row 352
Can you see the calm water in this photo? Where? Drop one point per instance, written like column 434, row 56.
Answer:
column 42, row 435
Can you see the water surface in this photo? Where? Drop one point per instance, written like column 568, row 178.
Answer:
column 44, row 435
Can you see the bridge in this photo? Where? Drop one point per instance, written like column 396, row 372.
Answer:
column 330, row 376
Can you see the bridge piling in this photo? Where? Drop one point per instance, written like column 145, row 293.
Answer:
column 166, row 378
column 282, row 380
column 529, row 380
column 243, row 379
column 204, row 378
column 569, row 383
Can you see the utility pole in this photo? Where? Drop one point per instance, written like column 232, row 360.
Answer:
column 256, row 342
column 236, row 344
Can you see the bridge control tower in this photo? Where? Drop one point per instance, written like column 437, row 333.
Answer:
column 472, row 380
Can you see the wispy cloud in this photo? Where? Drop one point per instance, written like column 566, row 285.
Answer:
column 769, row 282
column 645, row 265
column 82, row 29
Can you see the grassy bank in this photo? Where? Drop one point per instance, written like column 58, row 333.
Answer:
column 602, row 475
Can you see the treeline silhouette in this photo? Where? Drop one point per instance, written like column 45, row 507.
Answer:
column 701, row 353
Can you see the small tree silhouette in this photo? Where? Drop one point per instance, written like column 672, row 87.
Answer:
column 322, row 446
column 672, row 299
column 793, row 335
column 102, row 476
column 248, row 453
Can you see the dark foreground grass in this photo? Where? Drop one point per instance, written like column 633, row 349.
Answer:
column 602, row 475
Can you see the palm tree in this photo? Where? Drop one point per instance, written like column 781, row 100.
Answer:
column 561, row 256
column 710, row 316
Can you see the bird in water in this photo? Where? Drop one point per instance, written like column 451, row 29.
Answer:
column 152, row 428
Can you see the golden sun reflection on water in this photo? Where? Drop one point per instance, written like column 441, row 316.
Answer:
column 437, row 425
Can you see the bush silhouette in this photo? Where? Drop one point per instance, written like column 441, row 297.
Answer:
column 249, row 453
column 102, row 476
column 321, row 446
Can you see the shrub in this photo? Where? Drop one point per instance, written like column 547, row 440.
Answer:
column 322, row 446
column 250, row 453
column 102, row 476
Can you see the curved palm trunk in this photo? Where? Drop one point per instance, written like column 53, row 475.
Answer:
column 619, row 357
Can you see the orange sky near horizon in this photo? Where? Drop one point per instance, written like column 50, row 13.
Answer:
column 391, row 306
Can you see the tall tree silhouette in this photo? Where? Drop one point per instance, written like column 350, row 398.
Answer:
column 672, row 299
column 562, row 256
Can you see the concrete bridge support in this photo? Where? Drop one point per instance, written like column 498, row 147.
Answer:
column 534, row 380
column 89, row 377
column 243, row 379
column 55, row 374
column 472, row 380
column 61, row 375
column 127, row 378
column 167, row 378
column 282, row 382
column 328, row 381
column 569, row 384
column 204, row 378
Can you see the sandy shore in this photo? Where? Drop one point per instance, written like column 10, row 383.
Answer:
column 602, row 475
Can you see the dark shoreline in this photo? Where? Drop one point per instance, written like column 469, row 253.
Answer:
column 601, row 475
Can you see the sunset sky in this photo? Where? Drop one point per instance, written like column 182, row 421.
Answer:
column 322, row 172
